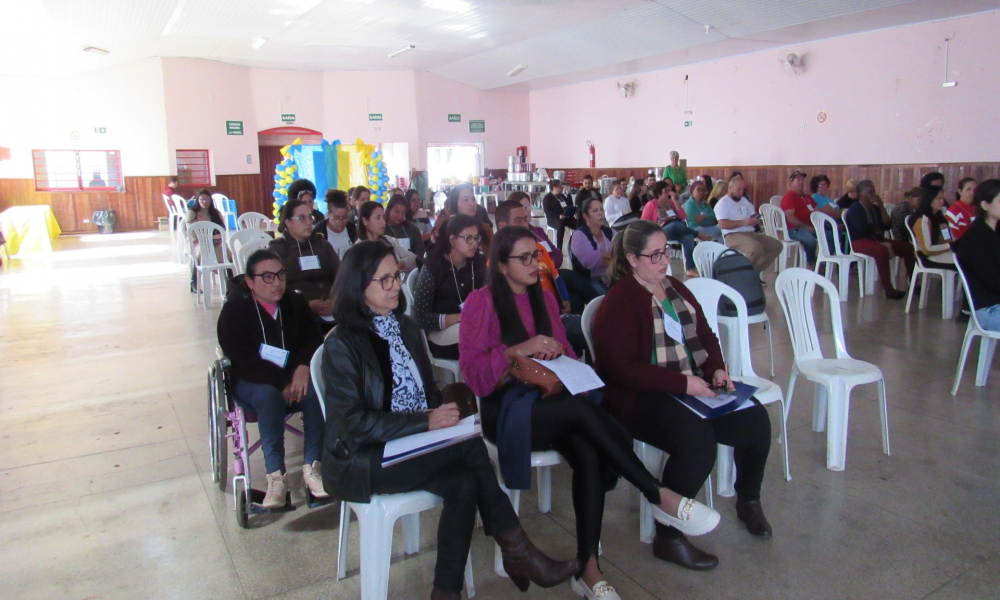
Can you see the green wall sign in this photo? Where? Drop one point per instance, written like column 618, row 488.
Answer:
column 234, row 127
column 374, row 116
column 454, row 118
column 477, row 126
column 287, row 118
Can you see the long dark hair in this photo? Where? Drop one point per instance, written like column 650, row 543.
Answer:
column 454, row 226
column 512, row 330
column 986, row 192
column 359, row 265
column 927, row 197
column 365, row 213
column 961, row 184
column 213, row 213
column 407, row 213
column 287, row 211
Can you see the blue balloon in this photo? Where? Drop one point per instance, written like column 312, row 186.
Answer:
column 276, row 194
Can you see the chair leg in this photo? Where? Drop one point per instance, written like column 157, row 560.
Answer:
column 544, row 489
column 376, row 553
column 838, row 405
column 987, row 347
column 883, row 408
column 470, row 586
column 709, row 496
column 345, row 530
column 725, row 469
column 947, row 294
column 821, row 399
column 784, row 444
column 770, row 345
column 411, row 533
column 923, row 291
column 970, row 335
column 844, row 273
column 909, row 293
column 789, row 392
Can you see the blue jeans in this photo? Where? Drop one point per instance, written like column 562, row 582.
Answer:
column 599, row 286
column 271, row 408
column 808, row 241
column 713, row 230
column 989, row 317
column 677, row 231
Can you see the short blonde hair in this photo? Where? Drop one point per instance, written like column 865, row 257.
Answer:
column 850, row 186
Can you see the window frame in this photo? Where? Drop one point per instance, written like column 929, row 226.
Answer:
column 80, row 187
column 207, row 181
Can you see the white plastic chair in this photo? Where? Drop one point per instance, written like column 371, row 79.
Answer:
column 776, row 200
column 834, row 377
column 704, row 256
column 870, row 267
column 833, row 257
column 252, row 220
column 376, row 520
column 987, row 346
column 449, row 366
column 775, row 225
column 181, row 240
column 919, row 270
column 242, row 237
column 587, row 323
column 207, row 263
column 219, row 200
column 243, row 254
column 174, row 219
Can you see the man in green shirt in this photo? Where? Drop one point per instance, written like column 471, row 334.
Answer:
column 675, row 172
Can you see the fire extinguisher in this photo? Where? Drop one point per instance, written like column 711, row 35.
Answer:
column 592, row 154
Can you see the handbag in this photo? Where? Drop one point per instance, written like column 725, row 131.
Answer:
column 461, row 395
column 527, row 371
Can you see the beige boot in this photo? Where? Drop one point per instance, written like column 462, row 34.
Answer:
column 276, row 491
column 312, row 475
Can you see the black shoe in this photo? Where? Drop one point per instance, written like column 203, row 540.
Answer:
column 682, row 552
column 894, row 294
column 752, row 515
column 194, row 288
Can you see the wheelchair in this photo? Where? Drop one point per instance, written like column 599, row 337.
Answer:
column 227, row 420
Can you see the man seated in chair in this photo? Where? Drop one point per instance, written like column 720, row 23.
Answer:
column 867, row 220
column 269, row 334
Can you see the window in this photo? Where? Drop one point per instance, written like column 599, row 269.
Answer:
column 77, row 170
column 453, row 163
column 193, row 168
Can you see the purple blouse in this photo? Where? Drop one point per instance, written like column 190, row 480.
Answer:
column 589, row 256
column 480, row 349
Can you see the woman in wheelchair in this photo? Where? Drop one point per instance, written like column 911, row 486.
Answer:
column 380, row 386
column 269, row 335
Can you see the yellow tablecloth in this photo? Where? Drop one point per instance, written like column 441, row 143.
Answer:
column 29, row 228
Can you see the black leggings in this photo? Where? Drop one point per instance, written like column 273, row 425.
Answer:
column 596, row 448
column 661, row 420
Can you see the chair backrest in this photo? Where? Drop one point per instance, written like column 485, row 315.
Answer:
column 171, row 207
column 252, row 220
column 820, row 222
column 245, row 250
column 795, row 288
column 316, row 374
column 204, row 232
column 968, row 294
column 708, row 293
column 180, row 204
column 843, row 219
column 587, row 323
column 243, row 236
column 776, row 200
column 705, row 254
column 408, row 294
column 411, row 281
column 773, row 220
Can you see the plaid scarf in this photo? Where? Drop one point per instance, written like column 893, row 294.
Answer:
column 673, row 354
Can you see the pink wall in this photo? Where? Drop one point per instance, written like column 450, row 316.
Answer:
column 200, row 97
column 276, row 92
column 881, row 91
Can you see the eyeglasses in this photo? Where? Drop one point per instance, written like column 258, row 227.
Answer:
column 470, row 239
column 302, row 218
column 655, row 257
column 387, row 280
column 527, row 258
column 268, row 277
column 339, row 219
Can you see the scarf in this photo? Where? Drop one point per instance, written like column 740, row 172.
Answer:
column 407, row 385
column 673, row 354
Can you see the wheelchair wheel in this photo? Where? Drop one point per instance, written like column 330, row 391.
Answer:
column 212, row 411
column 221, row 458
column 242, row 508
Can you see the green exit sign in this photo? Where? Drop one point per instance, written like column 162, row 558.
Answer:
column 374, row 116
column 688, row 123
column 477, row 126
column 454, row 118
column 100, row 130
column 234, row 127
column 287, row 118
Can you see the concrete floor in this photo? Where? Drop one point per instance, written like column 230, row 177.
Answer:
column 105, row 491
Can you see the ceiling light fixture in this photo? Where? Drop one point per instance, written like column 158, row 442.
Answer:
column 95, row 50
column 258, row 42
column 402, row 50
column 516, row 70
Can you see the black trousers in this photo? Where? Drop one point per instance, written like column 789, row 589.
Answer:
column 661, row 420
column 596, row 447
column 464, row 477
column 580, row 290
column 560, row 227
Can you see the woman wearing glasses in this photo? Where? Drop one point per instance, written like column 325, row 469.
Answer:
column 371, row 227
column 380, row 386
column 652, row 342
column 310, row 261
column 269, row 335
column 453, row 269
column 513, row 316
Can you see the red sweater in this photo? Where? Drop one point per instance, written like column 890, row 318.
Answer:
column 623, row 343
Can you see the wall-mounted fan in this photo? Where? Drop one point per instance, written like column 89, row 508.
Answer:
column 793, row 64
column 626, row 89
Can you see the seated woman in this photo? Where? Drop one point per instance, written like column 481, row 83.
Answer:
column 380, row 386
column 866, row 221
column 462, row 201
column 270, row 335
column 930, row 228
column 719, row 191
column 665, row 212
column 336, row 228
column 419, row 215
column 616, row 205
column 979, row 255
column 524, row 200
column 371, row 227
column 637, row 196
column 701, row 216
column 590, row 245
column 653, row 342
column 399, row 225
column 513, row 317
column 309, row 261
column 204, row 210
column 452, row 270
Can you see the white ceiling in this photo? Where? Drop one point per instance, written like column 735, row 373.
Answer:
column 476, row 42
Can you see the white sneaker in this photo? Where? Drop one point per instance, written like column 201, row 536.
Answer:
column 601, row 590
column 276, row 491
column 694, row 517
column 312, row 475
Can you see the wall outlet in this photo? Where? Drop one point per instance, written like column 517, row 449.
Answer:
column 86, row 221
column 249, row 159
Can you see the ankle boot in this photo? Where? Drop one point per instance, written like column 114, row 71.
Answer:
column 437, row 594
column 527, row 564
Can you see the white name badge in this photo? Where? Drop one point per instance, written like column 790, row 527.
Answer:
column 672, row 327
column 308, row 263
column 404, row 242
column 546, row 245
column 274, row 355
column 946, row 234
column 810, row 207
column 671, row 214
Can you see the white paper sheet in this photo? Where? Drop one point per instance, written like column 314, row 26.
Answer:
column 578, row 377
column 409, row 446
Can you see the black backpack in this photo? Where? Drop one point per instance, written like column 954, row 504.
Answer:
column 736, row 271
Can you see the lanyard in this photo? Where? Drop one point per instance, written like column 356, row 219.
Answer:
column 281, row 324
column 311, row 252
column 392, row 228
column 455, row 277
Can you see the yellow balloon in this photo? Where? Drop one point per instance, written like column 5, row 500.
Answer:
column 293, row 168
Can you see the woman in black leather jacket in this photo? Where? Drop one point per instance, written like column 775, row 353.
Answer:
column 373, row 345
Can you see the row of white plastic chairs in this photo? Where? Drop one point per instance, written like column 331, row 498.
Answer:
column 238, row 245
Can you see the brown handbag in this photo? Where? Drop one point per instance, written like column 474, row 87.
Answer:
column 461, row 395
column 526, row 370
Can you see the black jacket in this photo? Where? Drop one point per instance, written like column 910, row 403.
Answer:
column 979, row 255
column 240, row 334
column 313, row 284
column 554, row 207
column 357, row 426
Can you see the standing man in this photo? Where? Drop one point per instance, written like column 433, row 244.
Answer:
column 798, row 207
column 171, row 188
column 739, row 222
column 559, row 211
column 675, row 172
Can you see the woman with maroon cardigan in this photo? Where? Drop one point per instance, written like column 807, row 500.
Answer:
column 511, row 316
column 643, row 367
